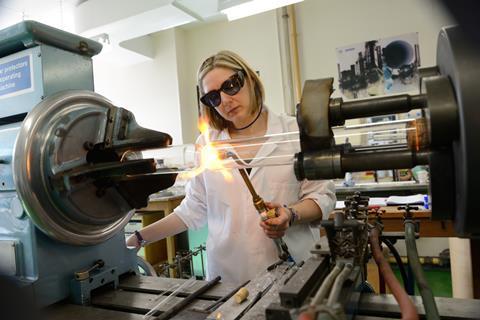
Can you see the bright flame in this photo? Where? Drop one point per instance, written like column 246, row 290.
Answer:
column 209, row 157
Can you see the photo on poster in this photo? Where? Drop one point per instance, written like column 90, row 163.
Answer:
column 379, row 67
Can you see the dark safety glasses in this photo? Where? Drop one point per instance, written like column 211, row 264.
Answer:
column 231, row 86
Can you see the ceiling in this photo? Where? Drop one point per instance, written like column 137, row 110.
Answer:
column 56, row 12
column 60, row 13
column 122, row 26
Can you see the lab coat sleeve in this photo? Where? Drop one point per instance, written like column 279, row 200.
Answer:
column 193, row 209
column 322, row 192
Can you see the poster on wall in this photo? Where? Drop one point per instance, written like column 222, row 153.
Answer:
column 379, row 67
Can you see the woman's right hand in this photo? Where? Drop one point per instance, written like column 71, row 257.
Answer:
column 276, row 227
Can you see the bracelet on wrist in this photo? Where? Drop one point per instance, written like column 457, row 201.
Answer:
column 294, row 217
column 141, row 242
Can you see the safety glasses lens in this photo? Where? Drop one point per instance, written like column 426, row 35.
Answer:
column 231, row 86
column 211, row 99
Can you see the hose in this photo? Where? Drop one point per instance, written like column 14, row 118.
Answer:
column 327, row 283
column 431, row 310
column 338, row 284
column 329, row 310
column 407, row 307
column 322, row 292
column 399, row 262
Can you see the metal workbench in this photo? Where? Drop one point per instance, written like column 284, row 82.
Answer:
column 382, row 189
column 136, row 295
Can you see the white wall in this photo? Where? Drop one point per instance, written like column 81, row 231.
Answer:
column 188, row 103
column 321, row 26
column 150, row 89
column 162, row 93
column 254, row 38
column 327, row 24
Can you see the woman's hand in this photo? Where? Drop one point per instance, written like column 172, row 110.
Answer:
column 132, row 242
column 276, row 227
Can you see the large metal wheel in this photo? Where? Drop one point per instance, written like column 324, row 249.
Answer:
column 51, row 141
column 458, row 59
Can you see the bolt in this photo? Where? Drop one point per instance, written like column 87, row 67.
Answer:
column 87, row 145
column 83, row 46
column 60, row 132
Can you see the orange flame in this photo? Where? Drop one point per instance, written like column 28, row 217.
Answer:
column 210, row 158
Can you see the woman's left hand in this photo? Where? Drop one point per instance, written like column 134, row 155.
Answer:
column 276, row 227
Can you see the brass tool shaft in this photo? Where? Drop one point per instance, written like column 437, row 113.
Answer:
column 259, row 204
column 257, row 200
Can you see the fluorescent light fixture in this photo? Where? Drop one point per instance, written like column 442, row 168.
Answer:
column 248, row 8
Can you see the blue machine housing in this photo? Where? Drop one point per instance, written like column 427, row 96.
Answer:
column 37, row 61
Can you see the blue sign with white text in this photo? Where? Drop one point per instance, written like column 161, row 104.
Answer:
column 15, row 76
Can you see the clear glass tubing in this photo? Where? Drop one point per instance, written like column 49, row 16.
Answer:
column 227, row 154
column 279, row 149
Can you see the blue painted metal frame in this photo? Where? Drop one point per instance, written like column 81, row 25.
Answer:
column 43, row 265
column 81, row 290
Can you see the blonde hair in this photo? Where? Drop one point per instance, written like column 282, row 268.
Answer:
column 229, row 60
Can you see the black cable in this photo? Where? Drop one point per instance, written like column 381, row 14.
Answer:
column 254, row 120
column 400, row 264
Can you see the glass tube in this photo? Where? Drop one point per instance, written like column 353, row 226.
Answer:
column 226, row 154
column 246, row 153
column 411, row 133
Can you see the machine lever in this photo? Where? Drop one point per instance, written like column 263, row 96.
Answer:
column 5, row 159
column 82, row 275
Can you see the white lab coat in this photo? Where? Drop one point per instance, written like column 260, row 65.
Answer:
column 237, row 247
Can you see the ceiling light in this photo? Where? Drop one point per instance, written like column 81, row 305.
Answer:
column 236, row 9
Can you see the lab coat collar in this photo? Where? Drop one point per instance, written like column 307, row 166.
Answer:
column 274, row 125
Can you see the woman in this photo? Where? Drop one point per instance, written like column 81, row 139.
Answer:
column 239, row 244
